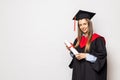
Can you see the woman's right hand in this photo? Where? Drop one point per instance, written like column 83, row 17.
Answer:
column 68, row 48
column 80, row 56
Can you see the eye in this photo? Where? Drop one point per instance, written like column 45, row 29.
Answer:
column 80, row 24
column 84, row 23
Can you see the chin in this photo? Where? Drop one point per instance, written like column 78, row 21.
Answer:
column 84, row 32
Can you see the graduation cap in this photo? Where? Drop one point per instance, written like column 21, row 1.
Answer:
column 82, row 14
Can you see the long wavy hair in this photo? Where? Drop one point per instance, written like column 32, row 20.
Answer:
column 80, row 33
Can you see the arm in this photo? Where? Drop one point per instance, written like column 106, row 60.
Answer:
column 72, row 55
column 101, row 54
column 88, row 57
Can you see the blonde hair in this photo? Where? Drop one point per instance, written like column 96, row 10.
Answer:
column 80, row 33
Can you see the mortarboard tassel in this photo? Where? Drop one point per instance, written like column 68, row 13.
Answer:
column 75, row 24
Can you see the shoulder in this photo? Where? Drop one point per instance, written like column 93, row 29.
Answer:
column 100, row 39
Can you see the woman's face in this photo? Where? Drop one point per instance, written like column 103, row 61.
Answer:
column 83, row 25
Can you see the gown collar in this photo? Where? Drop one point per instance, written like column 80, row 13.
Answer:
column 84, row 39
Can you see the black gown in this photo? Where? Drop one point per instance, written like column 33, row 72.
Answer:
column 85, row 70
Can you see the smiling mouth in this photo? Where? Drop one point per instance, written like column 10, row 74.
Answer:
column 83, row 30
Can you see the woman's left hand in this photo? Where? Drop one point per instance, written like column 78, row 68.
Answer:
column 80, row 56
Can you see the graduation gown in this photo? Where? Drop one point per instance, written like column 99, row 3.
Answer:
column 86, row 70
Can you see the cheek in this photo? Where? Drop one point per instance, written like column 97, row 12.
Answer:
column 86, row 26
column 80, row 28
column 87, row 29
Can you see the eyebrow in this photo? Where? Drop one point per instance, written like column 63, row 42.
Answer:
column 83, row 23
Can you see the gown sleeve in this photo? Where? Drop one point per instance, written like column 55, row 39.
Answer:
column 90, row 58
column 101, row 54
column 72, row 55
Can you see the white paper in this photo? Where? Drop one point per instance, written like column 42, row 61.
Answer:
column 68, row 44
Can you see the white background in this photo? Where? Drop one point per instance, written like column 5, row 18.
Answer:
column 32, row 34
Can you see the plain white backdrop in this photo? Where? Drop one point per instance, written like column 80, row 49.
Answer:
column 32, row 34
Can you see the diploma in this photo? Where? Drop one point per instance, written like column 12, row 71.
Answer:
column 71, row 47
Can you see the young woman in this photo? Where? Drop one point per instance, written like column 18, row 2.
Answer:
column 91, row 62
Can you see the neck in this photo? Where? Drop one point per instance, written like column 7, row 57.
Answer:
column 85, row 34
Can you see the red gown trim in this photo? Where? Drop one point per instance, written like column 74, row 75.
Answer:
column 84, row 39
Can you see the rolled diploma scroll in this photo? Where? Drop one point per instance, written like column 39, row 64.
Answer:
column 70, row 46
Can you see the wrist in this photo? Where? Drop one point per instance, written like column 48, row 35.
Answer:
column 86, row 55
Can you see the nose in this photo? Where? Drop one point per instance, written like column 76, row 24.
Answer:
column 82, row 26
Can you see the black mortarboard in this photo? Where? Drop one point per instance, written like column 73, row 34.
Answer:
column 83, row 14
